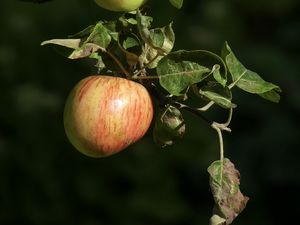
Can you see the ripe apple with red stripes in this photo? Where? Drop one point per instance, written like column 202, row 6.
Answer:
column 103, row 114
column 120, row 5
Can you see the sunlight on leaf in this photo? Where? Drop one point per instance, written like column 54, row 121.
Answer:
column 158, row 42
column 248, row 80
column 177, row 77
column 216, row 220
column 68, row 43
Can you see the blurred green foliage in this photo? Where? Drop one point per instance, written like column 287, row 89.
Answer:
column 43, row 180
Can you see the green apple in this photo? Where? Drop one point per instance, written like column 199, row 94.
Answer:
column 120, row 5
column 103, row 115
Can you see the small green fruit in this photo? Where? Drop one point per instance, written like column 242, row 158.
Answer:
column 120, row 5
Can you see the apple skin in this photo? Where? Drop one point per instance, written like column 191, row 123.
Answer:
column 103, row 115
column 120, row 5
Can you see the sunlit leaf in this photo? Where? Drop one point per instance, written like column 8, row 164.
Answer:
column 181, row 69
column 68, row 43
column 130, row 42
column 162, row 42
column 248, row 80
column 158, row 41
column 224, row 183
column 144, row 24
column 222, row 79
column 99, row 36
column 216, row 220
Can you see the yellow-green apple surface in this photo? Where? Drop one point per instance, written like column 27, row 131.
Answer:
column 103, row 115
column 120, row 5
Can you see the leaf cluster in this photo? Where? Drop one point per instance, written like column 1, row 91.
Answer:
column 131, row 47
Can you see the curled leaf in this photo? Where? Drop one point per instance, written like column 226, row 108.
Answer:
column 68, row 43
column 168, row 127
column 216, row 220
column 224, row 183
column 220, row 95
column 158, row 41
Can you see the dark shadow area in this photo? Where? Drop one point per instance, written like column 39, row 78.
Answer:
column 43, row 180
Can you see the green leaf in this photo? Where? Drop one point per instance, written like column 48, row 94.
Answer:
column 99, row 36
column 272, row 96
column 86, row 50
column 169, row 126
column 158, row 42
column 216, row 220
column 224, row 184
column 127, row 21
column 130, row 42
column 68, row 43
column 248, row 80
column 177, row 3
column 162, row 43
column 181, row 69
column 215, row 92
column 144, row 24
column 218, row 76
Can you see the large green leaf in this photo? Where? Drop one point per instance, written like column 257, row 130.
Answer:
column 181, row 69
column 224, row 183
column 248, row 80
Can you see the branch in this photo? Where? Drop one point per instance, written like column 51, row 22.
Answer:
column 118, row 63
column 163, row 101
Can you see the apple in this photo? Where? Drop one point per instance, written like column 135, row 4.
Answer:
column 103, row 114
column 120, row 5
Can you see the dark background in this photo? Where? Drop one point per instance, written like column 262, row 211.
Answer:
column 43, row 180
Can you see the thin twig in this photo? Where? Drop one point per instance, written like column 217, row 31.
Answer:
column 221, row 143
column 119, row 64
column 164, row 101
